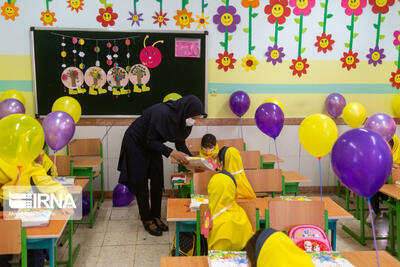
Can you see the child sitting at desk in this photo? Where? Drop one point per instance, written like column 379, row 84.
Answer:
column 269, row 247
column 47, row 163
column 231, row 227
column 209, row 149
column 32, row 174
column 231, row 161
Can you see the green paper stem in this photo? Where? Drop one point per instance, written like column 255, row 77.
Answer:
column 250, row 18
column 351, row 32
column 202, row 6
column 47, row 4
column 378, row 30
column 184, row 3
column 227, row 3
column 300, row 34
column 226, row 40
column 398, row 61
column 160, row 1
column 134, row 5
column 325, row 16
column 9, row 2
column 276, row 32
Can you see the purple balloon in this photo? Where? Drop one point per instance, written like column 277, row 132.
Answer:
column 122, row 196
column 11, row 106
column 382, row 124
column 269, row 119
column 335, row 104
column 59, row 128
column 239, row 103
column 362, row 160
column 85, row 204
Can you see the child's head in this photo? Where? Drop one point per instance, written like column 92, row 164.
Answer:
column 208, row 143
column 391, row 143
column 221, row 156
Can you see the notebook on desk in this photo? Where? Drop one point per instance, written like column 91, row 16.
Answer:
column 198, row 164
column 66, row 180
column 219, row 258
column 34, row 217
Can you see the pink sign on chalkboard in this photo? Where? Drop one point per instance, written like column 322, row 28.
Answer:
column 187, row 47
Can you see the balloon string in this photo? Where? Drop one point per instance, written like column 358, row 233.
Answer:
column 241, row 127
column 54, row 164
column 373, row 230
column 320, row 175
column 276, row 151
column 107, row 131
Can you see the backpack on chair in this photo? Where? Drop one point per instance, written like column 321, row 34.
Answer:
column 310, row 238
column 187, row 245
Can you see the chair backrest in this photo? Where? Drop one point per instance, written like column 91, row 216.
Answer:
column 266, row 180
column 10, row 232
column 193, row 144
column 395, row 175
column 63, row 165
column 248, row 206
column 251, row 159
column 84, row 147
column 200, row 182
column 238, row 143
column 284, row 214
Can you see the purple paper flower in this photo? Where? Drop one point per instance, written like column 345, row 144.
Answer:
column 275, row 54
column 135, row 17
column 227, row 19
column 375, row 56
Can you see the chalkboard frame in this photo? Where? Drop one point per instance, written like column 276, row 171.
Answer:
column 58, row 29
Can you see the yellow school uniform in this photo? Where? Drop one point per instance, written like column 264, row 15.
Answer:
column 396, row 150
column 280, row 251
column 231, row 227
column 9, row 177
column 48, row 164
column 234, row 165
column 210, row 155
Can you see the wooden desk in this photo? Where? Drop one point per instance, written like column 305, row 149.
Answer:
column 196, row 261
column 270, row 158
column 80, row 162
column 295, row 177
column 368, row 258
column 79, row 185
column 391, row 190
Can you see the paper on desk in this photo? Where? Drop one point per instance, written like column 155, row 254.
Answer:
column 198, row 164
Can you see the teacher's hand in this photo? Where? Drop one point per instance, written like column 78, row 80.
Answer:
column 180, row 157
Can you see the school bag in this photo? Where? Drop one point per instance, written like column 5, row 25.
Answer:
column 310, row 238
column 187, row 245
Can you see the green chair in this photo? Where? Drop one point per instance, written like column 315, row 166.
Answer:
column 249, row 207
column 13, row 239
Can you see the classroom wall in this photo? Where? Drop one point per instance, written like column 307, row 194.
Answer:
column 301, row 95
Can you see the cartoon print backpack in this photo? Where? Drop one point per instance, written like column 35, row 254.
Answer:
column 310, row 238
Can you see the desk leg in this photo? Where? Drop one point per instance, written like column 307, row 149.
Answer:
column 332, row 227
column 347, row 199
column 178, row 228
column 52, row 253
column 398, row 227
column 362, row 218
column 391, row 230
column 91, row 200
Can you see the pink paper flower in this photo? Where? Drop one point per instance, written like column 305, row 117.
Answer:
column 302, row 6
column 396, row 35
column 354, row 6
column 207, row 224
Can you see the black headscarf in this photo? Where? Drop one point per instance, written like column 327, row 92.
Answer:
column 169, row 119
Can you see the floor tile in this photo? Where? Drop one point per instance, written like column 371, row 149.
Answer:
column 88, row 239
column 124, row 226
column 144, row 255
column 144, row 238
column 120, row 238
column 120, row 256
column 87, row 257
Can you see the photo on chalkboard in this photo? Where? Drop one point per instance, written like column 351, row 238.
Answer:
column 187, row 47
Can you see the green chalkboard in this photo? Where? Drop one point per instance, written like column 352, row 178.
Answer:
column 58, row 71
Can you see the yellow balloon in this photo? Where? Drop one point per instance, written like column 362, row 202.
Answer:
column 318, row 134
column 172, row 96
column 396, row 105
column 21, row 139
column 354, row 114
column 13, row 94
column 69, row 105
column 276, row 102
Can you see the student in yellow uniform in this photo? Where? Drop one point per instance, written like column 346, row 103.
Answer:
column 269, row 247
column 46, row 163
column 231, row 227
column 232, row 162
column 209, row 149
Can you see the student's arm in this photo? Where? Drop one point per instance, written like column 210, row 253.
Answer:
column 222, row 244
column 181, row 146
column 48, row 185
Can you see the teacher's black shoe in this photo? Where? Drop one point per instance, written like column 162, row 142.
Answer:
column 162, row 226
column 152, row 228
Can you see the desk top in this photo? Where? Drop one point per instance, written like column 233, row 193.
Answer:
column 53, row 230
column 86, row 162
column 270, row 158
column 294, row 177
column 81, row 183
column 196, row 261
column 391, row 190
column 178, row 209
column 367, row 258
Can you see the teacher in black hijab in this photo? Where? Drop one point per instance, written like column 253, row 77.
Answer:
column 142, row 150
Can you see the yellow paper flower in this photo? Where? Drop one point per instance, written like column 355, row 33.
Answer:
column 183, row 18
column 249, row 62
column 202, row 21
column 9, row 11
column 48, row 18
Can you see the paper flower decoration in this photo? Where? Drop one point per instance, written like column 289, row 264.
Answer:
column 395, row 79
column 183, row 18
column 324, row 42
column 249, row 62
column 202, row 21
column 75, row 5
column 207, row 224
column 226, row 19
column 135, row 18
column 252, row 3
column 160, row 18
column 381, row 5
column 299, row 66
column 354, row 6
column 396, row 35
column 275, row 54
column 302, row 6
column 48, row 18
column 225, row 61
column 349, row 60
column 277, row 11
column 375, row 56
column 107, row 17
column 9, row 11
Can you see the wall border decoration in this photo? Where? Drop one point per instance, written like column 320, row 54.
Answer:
column 134, row 16
column 48, row 18
column 161, row 17
column 201, row 20
column 324, row 41
column 249, row 62
column 9, row 10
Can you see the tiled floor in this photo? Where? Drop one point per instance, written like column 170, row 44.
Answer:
column 119, row 239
